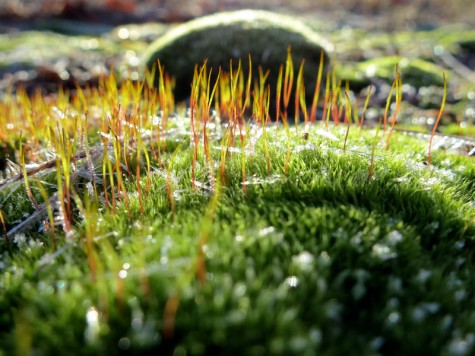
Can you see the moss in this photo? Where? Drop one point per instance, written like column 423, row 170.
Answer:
column 234, row 35
column 285, row 242
column 460, row 130
column 462, row 39
column 318, row 260
column 414, row 71
column 146, row 32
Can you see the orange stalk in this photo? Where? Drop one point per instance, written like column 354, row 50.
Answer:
column 205, row 231
column 316, row 93
column 347, row 119
column 444, row 98
column 171, row 308
column 326, row 100
column 288, row 81
column 266, row 115
column 366, row 105
column 277, row 98
column 61, row 198
column 398, row 104
column 194, row 106
column 298, row 89
column 205, row 134
column 49, row 209
column 224, row 150
column 170, row 190
column 2, row 219
column 248, row 88
column 386, row 110
column 29, row 193
column 139, row 186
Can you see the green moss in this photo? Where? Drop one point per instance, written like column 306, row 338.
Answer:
column 320, row 260
column 310, row 256
column 234, row 35
column 456, row 129
column 414, row 71
column 461, row 39
column 146, row 32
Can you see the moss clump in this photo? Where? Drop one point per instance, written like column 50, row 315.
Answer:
column 460, row 39
column 204, row 237
column 321, row 259
column 414, row 71
column 234, row 35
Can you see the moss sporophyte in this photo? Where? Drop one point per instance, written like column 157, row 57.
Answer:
column 135, row 224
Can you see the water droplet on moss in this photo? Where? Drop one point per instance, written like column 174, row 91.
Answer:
column 418, row 314
column 298, row 344
column 432, row 307
column 60, row 284
column 460, row 295
column 459, row 245
column 91, row 333
column 423, row 275
column 459, row 347
column 324, row 259
column 383, row 252
column 179, row 351
column 377, row 343
column 266, row 231
column 394, row 237
column 315, row 335
column 394, row 317
column 124, row 343
column 19, row 240
column 358, row 291
column 303, row 260
column 240, row 290
column 123, row 33
column 292, row 282
column 394, row 284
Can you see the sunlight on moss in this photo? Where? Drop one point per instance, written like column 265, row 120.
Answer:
column 215, row 228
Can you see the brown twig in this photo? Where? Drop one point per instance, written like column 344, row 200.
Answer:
column 41, row 212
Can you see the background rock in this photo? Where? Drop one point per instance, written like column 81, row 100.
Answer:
column 234, row 35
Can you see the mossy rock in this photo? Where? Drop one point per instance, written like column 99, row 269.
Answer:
column 462, row 39
column 147, row 32
column 233, row 35
column 414, row 71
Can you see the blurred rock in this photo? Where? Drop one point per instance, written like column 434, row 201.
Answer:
column 233, row 35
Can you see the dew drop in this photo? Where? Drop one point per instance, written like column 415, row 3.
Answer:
column 266, row 231
column 124, row 343
column 92, row 330
column 394, row 318
column 383, row 252
column 394, row 237
column 459, row 347
column 303, row 260
column 292, row 281
column 123, row 33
